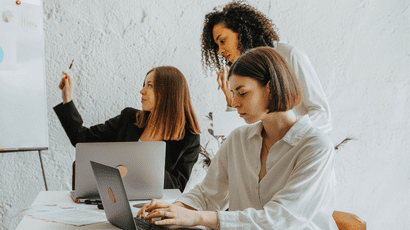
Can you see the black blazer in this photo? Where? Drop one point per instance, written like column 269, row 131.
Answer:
column 180, row 155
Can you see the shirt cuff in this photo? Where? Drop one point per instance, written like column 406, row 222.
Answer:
column 63, row 107
column 227, row 219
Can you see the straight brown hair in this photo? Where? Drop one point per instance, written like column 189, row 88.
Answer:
column 266, row 65
column 173, row 110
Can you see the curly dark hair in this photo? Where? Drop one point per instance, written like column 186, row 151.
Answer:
column 253, row 27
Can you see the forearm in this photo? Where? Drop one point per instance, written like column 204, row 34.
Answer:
column 180, row 204
column 204, row 218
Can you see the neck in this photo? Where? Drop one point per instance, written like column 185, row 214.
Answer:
column 277, row 124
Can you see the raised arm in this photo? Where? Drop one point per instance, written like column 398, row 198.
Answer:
column 313, row 97
column 72, row 122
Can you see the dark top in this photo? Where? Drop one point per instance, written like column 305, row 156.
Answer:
column 180, row 155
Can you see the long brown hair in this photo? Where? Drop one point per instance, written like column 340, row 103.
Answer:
column 173, row 111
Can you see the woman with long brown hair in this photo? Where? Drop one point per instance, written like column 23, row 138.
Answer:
column 167, row 115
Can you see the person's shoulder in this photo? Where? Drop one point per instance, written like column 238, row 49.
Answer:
column 317, row 142
column 284, row 46
column 128, row 113
column 129, row 110
column 289, row 51
column 319, row 137
column 190, row 134
column 244, row 131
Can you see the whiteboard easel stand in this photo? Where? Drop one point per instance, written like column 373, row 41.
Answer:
column 30, row 149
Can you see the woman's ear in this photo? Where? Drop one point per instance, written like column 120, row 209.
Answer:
column 268, row 85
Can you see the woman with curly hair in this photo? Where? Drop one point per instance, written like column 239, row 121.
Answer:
column 238, row 27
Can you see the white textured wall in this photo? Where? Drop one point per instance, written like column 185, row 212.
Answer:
column 360, row 50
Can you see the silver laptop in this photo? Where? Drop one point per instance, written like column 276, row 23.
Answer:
column 141, row 164
column 115, row 201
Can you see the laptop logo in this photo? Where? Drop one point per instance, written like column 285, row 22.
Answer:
column 111, row 194
column 123, row 170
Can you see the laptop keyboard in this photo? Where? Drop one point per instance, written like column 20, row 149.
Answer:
column 145, row 225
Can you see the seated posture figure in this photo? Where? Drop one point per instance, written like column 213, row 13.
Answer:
column 274, row 174
column 166, row 115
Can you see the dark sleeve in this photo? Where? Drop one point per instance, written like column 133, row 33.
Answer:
column 72, row 123
column 179, row 176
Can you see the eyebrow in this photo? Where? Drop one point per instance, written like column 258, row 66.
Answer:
column 217, row 37
column 238, row 88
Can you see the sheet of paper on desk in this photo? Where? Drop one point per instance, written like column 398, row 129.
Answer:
column 67, row 213
column 225, row 122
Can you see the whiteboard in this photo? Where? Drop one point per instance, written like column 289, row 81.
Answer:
column 23, row 106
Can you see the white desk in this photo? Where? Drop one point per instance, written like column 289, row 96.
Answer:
column 47, row 197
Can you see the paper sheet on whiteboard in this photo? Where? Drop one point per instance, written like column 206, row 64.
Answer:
column 225, row 122
column 8, row 51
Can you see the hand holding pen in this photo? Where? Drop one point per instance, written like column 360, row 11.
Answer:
column 66, row 86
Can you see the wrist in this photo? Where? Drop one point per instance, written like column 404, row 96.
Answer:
column 180, row 204
column 66, row 100
column 207, row 218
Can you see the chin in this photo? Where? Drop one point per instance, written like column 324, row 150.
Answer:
column 249, row 120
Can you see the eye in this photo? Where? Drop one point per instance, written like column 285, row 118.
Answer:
column 242, row 94
column 222, row 41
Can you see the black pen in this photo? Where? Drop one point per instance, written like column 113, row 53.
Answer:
column 92, row 201
column 71, row 65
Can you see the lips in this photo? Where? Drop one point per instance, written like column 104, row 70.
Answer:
column 242, row 114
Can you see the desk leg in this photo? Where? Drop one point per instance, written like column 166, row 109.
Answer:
column 42, row 169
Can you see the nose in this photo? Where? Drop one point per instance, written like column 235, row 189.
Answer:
column 221, row 51
column 142, row 91
column 235, row 102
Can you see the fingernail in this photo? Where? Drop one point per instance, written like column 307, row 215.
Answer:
column 65, row 77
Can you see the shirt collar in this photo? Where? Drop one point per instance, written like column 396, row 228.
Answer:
column 298, row 131
column 293, row 136
column 255, row 130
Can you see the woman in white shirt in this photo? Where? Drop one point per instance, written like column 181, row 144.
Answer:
column 273, row 174
column 238, row 27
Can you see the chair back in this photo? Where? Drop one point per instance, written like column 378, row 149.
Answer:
column 348, row 221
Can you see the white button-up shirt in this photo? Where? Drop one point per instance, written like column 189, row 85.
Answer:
column 297, row 191
column 314, row 102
